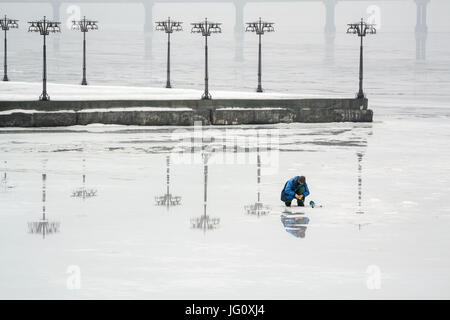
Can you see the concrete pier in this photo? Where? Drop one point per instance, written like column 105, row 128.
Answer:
column 182, row 112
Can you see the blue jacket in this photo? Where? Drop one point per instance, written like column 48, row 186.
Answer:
column 288, row 192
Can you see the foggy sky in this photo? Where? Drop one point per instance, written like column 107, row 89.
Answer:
column 395, row 15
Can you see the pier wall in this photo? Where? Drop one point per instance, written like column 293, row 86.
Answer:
column 182, row 112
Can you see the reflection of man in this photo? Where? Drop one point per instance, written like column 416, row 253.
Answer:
column 295, row 188
column 295, row 225
column 299, row 233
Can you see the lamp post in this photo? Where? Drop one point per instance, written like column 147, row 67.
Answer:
column 84, row 26
column 7, row 24
column 206, row 28
column 361, row 29
column 260, row 27
column 44, row 27
column 168, row 26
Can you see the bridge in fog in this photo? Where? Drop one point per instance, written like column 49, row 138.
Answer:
column 421, row 28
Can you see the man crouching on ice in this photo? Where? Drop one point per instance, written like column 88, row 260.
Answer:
column 295, row 188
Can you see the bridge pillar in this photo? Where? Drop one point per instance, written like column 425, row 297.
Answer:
column 239, row 30
column 421, row 29
column 148, row 7
column 148, row 27
column 56, row 8
column 330, row 28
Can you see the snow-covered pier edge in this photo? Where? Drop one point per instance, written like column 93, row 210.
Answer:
column 181, row 112
column 148, row 106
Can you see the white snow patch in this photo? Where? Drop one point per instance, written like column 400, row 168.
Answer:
column 133, row 109
column 245, row 109
column 7, row 112
column 29, row 91
column 409, row 203
column 32, row 111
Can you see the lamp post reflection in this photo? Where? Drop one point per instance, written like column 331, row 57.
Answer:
column 258, row 208
column 360, row 210
column 360, row 156
column 4, row 186
column 84, row 192
column 168, row 199
column 43, row 226
column 4, row 177
column 205, row 222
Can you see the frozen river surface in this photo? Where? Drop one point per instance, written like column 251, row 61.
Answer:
column 382, row 231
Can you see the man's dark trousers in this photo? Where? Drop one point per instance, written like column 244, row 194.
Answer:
column 300, row 203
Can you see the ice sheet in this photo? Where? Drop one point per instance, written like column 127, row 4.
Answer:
column 126, row 247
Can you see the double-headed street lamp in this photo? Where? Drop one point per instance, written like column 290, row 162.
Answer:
column 7, row 24
column 84, row 26
column 260, row 27
column 168, row 26
column 206, row 28
column 361, row 29
column 44, row 27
